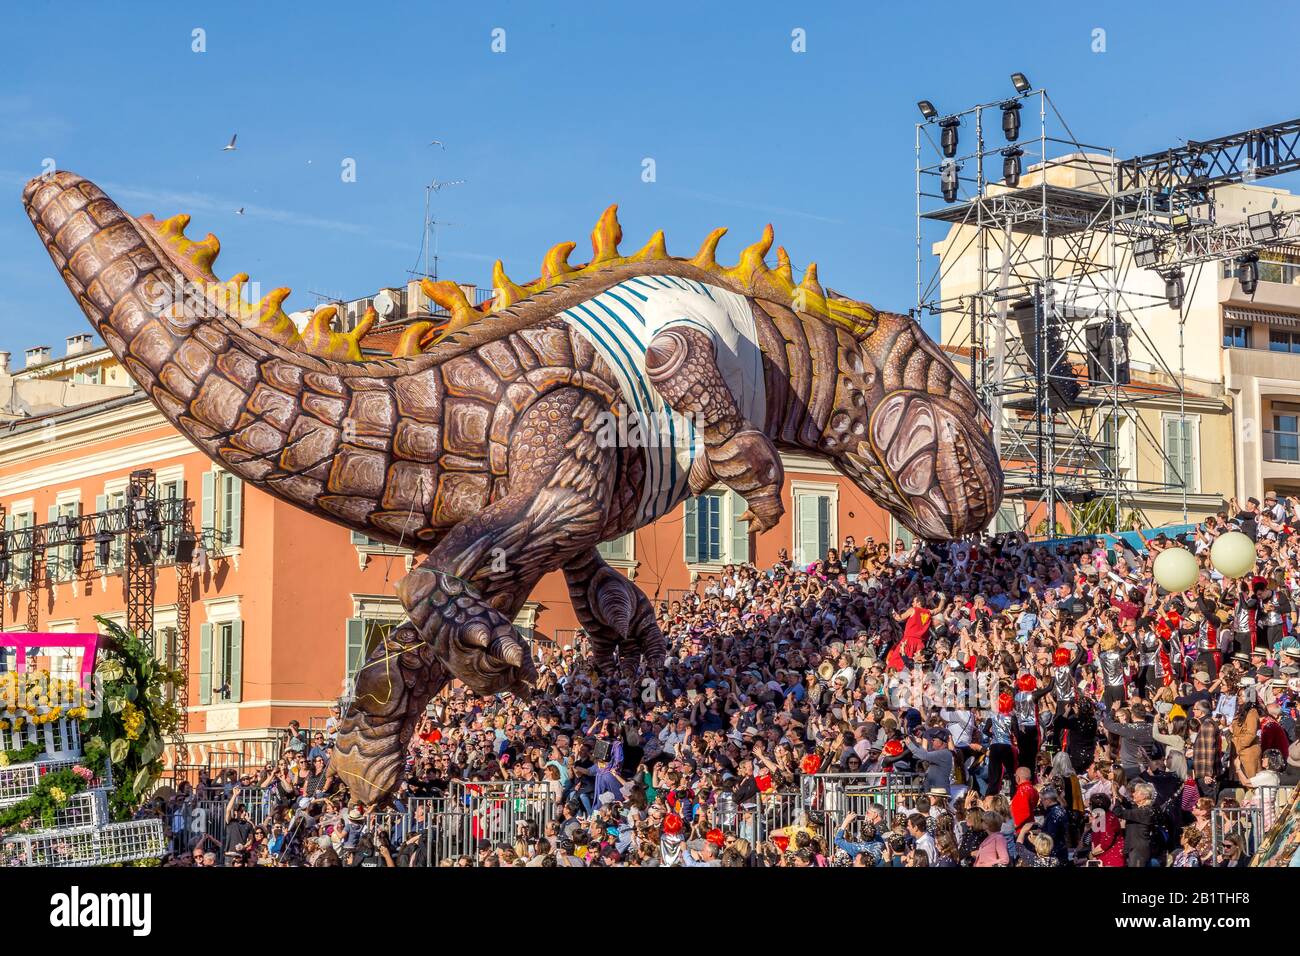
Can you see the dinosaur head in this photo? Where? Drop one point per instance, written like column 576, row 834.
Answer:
column 908, row 430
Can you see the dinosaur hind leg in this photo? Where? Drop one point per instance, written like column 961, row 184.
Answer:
column 618, row 618
column 458, row 598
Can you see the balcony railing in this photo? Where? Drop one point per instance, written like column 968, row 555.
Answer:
column 1281, row 446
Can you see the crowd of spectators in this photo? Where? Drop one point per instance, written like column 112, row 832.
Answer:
column 987, row 703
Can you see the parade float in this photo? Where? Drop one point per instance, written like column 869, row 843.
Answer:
column 80, row 747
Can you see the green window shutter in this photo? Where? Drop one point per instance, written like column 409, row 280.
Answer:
column 739, row 529
column 53, row 553
column 1173, row 452
column 236, row 511
column 823, row 526
column 236, row 661
column 13, row 563
column 205, row 663
column 101, row 505
column 690, row 532
column 358, row 539
column 356, row 646
column 806, row 517
column 208, row 508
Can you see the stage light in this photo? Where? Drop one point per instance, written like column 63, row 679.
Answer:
column 1180, row 222
column 1248, row 272
column 185, row 542
column 1011, row 165
column 948, row 182
column 143, row 550
column 1020, row 82
column 1145, row 253
column 927, row 109
column 4, row 567
column 1174, row 289
column 103, row 546
column 1262, row 227
column 78, row 554
column 948, row 135
column 1011, row 120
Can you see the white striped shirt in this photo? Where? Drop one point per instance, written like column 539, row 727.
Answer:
column 620, row 323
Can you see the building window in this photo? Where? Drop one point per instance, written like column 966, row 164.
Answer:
column 65, row 516
column 1236, row 337
column 617, row 549
column 221, row 651
column 1180, row 452
column 1280, row 340
column 363, row 636
column 171, row 511
column 112, row 500
column 20, row 564
column 1286, row 438
column 1006, row 520
column 713, row 532
column 223, row 507
column 815, row 530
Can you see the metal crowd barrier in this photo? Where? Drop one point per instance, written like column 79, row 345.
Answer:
column 474, row 811
column 1245, row 822
column 833, row 796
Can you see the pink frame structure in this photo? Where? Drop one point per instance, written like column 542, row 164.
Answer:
column 23, row 641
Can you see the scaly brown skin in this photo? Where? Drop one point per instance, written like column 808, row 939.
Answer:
column 482, row 451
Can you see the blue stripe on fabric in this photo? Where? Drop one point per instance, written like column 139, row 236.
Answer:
column 638, row 379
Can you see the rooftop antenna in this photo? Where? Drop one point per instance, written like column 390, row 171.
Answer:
column 431, row 224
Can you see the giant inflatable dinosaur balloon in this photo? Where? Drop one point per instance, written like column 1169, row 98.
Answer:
column 485, row 442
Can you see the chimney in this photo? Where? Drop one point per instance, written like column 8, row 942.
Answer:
column 4, row 363
column 37, row 355
column 78, row 344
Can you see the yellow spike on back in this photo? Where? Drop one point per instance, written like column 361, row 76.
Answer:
column 556, row 264
column 452, row 298
column 752, row 259
column 706, row 258
column 409, row 342
column 783, row 271
column 606, row 237
column 656, row 248
column 507, row 293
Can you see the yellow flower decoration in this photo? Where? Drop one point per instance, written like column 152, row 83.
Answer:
column 58, row 796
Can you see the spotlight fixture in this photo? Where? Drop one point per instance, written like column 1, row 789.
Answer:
column 948, row 181
column 103, row 546
column 1020, row 82
column 948, row 137
column 78, row 554
column 1248, row 272
column 1262, row 227
column 143, row 550
column 1011, row 120
column 1011, row 165
column 927, row 109
column 1145, row 253
column 1180, row 222
column 4, row 567
column 185, row 542
column 1174, row 289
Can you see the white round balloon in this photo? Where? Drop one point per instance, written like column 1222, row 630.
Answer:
column 1176, row 569
column 1233, row 554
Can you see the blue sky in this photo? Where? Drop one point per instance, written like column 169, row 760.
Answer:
column 742, row 129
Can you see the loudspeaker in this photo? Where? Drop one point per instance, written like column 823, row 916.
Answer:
column 1104, row 348
column 1062, row 386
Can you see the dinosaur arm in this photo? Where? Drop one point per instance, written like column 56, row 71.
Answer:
column 682, row 366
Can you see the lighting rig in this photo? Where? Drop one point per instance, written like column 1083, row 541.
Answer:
column 145, row 531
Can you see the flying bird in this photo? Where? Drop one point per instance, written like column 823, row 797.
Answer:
column 439, row 143
column 231, row 145
column 239, row 211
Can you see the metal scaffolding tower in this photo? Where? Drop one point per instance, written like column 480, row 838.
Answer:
column 1032, row 285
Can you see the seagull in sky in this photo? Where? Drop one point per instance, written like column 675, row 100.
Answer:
column 231, row 145
column 239, row 211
